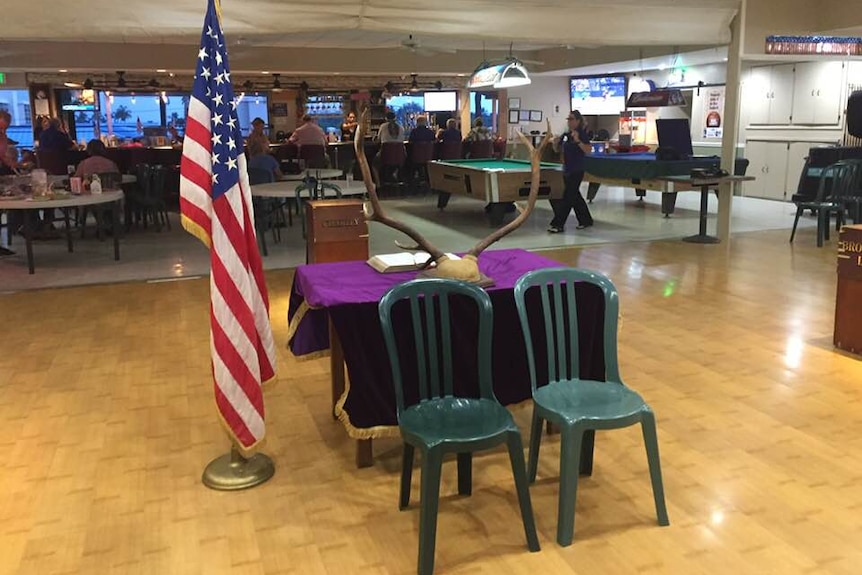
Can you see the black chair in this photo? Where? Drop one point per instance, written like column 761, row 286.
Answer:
column 392, row 158
column 314, row 156
column 481, row 149
column 148, row 201
column 263, row 208
column 835, row 188
column 420, row 154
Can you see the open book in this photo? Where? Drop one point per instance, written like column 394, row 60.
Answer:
column 402, row 262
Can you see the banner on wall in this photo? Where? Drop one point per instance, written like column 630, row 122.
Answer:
column 713, row 113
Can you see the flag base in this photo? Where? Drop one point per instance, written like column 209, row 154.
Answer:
column 232, row 472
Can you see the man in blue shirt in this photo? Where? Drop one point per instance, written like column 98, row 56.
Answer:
column 574, row 145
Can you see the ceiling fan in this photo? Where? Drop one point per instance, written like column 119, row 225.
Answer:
column 416, row 47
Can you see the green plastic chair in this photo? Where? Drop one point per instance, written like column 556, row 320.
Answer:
column 440, row 422
column 578, row 406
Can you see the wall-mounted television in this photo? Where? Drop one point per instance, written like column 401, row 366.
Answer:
column 441, row 101
column 78, row 100
column 598, row 95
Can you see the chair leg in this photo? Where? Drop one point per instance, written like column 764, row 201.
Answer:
column 432, row 461
column 261, row 239
column 651, row 442
column 821, row 223
column 799, row 211
column 465, row 473
column 406, row 476
column 570, row 454
column 535, row 442
column 516, row 456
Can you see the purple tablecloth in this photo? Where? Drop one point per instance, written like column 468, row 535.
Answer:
column 348, row 293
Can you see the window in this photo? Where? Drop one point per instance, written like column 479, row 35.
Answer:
column 251, row 106
column 486, row 104
column 129, row 114
column 17, row 103
column 406, row 109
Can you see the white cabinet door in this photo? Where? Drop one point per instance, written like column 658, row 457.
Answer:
column 768, row 165
column 781, row 94
column 756, row 153
column 756, row 100
column 828, row 82
column 805, row 93
column 775, row 185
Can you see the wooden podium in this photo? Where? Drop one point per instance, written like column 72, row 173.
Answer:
column 337, row 231
column 848, row 301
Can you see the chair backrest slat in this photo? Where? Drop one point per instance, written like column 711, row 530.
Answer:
column 549, row 334
column 432, row 337
column 568, row 356
column 559, row 324
column 446, row 338
column 574, row 352
column 419, row 339
column 431, row 330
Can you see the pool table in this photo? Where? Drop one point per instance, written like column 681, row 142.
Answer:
column 642, row 172
column 498, row 183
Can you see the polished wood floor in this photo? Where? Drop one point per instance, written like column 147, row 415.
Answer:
column 107, row 422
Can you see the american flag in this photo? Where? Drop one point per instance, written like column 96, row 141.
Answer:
column 215, row 200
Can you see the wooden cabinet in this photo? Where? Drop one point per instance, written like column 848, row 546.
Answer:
column 768, row 165
column 769, row 94
column 817, row 93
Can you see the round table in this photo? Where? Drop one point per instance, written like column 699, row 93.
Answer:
column 127, row 179
column 285, row 189
column 320, row 174
column 29, row 206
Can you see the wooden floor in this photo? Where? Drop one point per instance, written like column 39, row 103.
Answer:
column 108, row 420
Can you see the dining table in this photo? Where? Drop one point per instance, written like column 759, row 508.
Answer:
column 30, row 205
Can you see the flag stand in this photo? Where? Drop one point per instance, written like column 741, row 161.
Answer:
column 232, row 471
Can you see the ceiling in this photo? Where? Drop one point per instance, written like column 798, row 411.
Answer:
column 51, row 34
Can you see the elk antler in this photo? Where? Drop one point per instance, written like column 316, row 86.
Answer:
column 535, row 177
column 467, row 268
column 378, row 215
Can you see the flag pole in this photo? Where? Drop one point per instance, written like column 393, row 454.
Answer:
column 233, row 472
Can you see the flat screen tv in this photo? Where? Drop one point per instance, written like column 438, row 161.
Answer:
column 441, row 101
column 78, row 100
column 598, row 95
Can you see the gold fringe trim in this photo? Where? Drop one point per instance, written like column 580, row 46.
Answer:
column 297, row 319
column 312, row 356
column 244, row 451
column 353, row 432
column 194, row 229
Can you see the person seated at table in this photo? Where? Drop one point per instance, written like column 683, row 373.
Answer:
column 96, row 163
column 308, row 134
column 257, row 135
column 53, row 137
column 259, row 158
column 479, row 132
column 390, row 130
column 8, row 153
column 421, row 133
column 451, row 134
column 348, row 128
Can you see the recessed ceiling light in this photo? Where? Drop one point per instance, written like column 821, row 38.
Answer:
column 461, row 75
column 161, row 71
column 264, row 72
column 63, row 71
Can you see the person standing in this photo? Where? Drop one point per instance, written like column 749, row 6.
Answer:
column 573, row 145
column 348, row 128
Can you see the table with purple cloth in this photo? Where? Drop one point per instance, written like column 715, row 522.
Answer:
column 338, row 301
